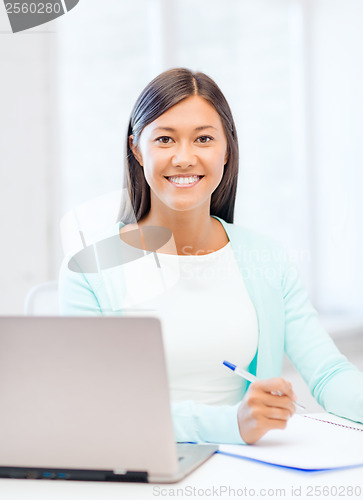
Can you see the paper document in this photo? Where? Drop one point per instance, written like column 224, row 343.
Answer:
column 307, row 444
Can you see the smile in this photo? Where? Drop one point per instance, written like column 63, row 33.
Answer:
column 185, row 181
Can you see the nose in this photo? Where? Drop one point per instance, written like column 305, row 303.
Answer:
column 183, row 156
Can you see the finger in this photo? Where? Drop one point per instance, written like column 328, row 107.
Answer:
column 279, row 402
column 273, row 423
column 278, row 414
column 278, row 384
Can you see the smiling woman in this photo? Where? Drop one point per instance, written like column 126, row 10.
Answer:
column 184, row 178
column 181, row 174
column 193, row 108
column 184, row 168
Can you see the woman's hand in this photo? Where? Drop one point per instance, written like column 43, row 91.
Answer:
column 261, row 410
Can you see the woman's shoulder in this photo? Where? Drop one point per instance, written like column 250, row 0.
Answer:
column 80, row 257
column 259, row 252
column 251, row 238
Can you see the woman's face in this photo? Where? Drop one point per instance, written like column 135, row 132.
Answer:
column 183, row 153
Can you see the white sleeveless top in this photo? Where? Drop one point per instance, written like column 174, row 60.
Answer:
column 207, row 317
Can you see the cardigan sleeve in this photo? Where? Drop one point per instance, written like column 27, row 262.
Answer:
column 201, row 423
column 192, row 422
column 76, row 295
column 335, row 383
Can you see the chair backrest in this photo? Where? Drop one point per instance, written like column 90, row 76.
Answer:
column 81, row 226
column 42, row 300
column 87, row 222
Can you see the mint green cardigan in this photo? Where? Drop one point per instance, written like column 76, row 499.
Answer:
column 287, row 322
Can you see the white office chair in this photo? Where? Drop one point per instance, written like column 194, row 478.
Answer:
column 87, row 222
column 42, row 300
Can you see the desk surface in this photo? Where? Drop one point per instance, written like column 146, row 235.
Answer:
column 219, row 477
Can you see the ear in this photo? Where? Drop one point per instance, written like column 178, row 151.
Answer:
column 134, row 148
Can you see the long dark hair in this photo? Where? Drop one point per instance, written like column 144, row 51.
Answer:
column 163, row 92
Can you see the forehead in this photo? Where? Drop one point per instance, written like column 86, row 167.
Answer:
column 191, row 113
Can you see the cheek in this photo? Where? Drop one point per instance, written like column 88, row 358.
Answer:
column 154, row 167
column 216, row 154
column 218, row 169
column 216, row 161
column 155, row 159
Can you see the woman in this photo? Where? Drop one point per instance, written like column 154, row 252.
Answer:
column 236, row 295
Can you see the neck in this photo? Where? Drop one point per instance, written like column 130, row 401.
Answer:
column 193, row 231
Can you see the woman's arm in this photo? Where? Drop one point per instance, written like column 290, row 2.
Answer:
column 196, row 422
column 335, row 383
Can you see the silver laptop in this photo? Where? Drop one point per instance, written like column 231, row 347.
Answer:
column 88, row 399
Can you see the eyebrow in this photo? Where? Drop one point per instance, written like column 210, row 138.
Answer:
column 170, row 129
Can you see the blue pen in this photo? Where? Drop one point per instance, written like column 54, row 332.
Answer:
column 251, row 378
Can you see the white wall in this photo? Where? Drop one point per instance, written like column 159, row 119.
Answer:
column 337, row 121
column 27, row 163
column 102, row 65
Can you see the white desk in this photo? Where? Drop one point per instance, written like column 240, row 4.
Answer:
column 239, row 478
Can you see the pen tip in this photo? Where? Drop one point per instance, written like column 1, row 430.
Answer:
column 229, row 365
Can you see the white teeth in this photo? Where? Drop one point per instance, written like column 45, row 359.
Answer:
column 184, row 180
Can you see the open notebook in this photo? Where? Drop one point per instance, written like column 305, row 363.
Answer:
column 312, row 442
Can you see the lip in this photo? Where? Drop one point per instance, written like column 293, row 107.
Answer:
column 185, row 186
column 184, row 175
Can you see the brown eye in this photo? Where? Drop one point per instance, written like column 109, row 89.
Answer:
column 205, row 138
column 162, row 139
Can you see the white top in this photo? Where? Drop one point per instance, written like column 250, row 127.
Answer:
column 207, row 317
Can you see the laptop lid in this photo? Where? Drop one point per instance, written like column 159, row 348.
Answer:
column 85, row 393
